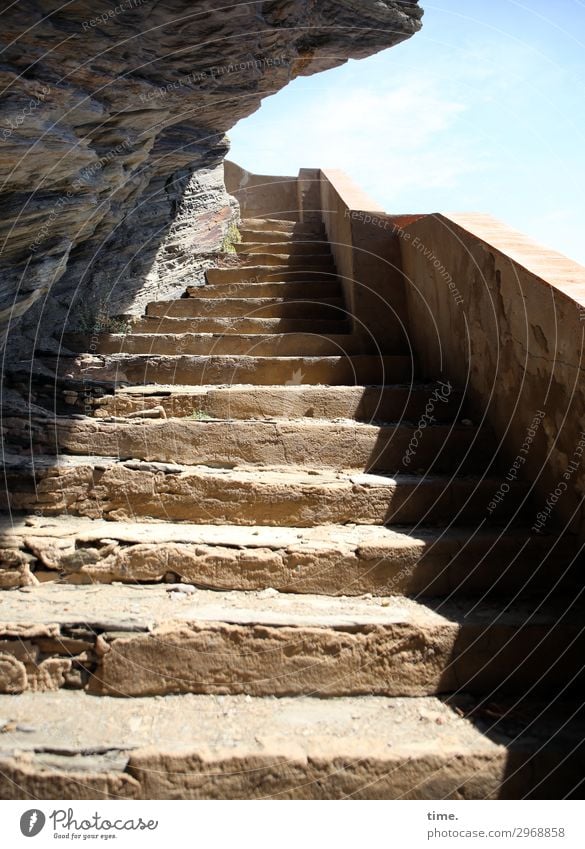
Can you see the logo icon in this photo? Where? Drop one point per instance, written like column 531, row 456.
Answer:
column 32, row 822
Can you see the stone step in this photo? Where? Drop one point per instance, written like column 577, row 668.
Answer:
column 319, row 289
column 276, row 345
column 331, row 308
column 303, row 443
column 268, row 274
column 309, row 262
column 271, row 225
column 275, row 237
column 118, row 490
column 332, row 560
column 290, row 248
column 203, row 324
column 259, row 371
column 235, row 747
column 361, row 403
column 147, row 640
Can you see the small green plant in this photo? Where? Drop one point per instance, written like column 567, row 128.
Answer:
column 94, row 317
column 200, row 416
column 231, row 239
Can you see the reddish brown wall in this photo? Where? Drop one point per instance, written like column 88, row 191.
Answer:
column 367, row 253
column 506, row 317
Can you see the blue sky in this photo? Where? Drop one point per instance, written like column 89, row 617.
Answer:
column 483, row 110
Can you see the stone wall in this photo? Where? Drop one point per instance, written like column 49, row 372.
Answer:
column 262, row 196
column 367, row 254
column 505, row 317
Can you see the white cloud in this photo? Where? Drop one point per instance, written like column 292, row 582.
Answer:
column 393, row 133
column 464, row 116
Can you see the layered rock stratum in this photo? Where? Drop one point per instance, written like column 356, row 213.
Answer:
column 112, row 137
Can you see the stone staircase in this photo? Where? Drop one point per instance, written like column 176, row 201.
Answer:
column 225, row 576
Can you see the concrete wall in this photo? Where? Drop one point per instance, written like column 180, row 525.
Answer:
column 504, row 316
column 474, row 301
column 366, row 247
column 309, row 195
column 262, row 196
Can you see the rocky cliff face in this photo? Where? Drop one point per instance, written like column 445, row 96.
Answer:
column 112, row 134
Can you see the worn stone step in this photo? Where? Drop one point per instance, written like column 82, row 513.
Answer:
column 234, row 747
column 319, row 289
column 203, row 324
column 276, row 344
column 249, row 307
column 290, row 248
column 268, row 274
column 343, row 560
column 271, row 371
column 120, row 490
column 155, row 640
column 271, row 225
column 276, row 237
column 362, row 403
column 309, row 262
column 310, row 443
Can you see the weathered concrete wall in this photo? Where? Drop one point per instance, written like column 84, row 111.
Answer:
column 367, row 253
column 309, row 195
column 262, row 196
column 505, row 317
column 337, row 194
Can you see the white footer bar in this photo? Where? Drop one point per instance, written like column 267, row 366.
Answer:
column 302, row 825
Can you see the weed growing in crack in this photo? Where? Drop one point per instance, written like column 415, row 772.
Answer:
column 231, row 239
column 94, row 318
